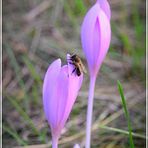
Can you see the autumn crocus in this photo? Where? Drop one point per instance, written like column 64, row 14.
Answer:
column 60, row 89
column 95, row 38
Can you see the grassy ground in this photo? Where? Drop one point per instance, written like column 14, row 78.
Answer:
column 37, row 32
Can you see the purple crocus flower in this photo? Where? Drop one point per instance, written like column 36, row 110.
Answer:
column 95, row 38
column 60, row 89
column 96, row 35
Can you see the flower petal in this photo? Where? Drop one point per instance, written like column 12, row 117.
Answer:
column 101, row 39
column 105, row 37
column 96, row 41
column 87, row 35
column 74, row 84
column 49, row 88
column 61, row 94
column 105, row 7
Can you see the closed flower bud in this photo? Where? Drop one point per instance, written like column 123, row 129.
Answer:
column 95, row 39
column 96, row 35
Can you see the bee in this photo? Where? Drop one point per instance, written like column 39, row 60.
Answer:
column 79, row 67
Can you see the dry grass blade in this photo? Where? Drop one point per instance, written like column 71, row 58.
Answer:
column 37, row 10
column 94, row 127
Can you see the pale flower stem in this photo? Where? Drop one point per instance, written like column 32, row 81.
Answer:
column 90, row 111
column 54, row 142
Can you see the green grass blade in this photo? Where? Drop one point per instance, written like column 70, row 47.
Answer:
column 14, row 135
column 23, row 114
column 32, row 70
column 17, row 71
column 139, row 25
column 79, row 7
column 120, row 88
column 15, row 65
column 122, row 131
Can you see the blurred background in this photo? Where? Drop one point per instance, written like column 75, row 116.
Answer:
column 36, row 32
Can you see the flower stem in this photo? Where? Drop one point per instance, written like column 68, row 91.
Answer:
column 89, row 111
column 54, row 142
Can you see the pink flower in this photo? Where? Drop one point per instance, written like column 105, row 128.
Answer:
column 96, row 35
column 95, row 38
column 60, row 89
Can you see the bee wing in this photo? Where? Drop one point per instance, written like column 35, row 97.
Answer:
column 84, row 69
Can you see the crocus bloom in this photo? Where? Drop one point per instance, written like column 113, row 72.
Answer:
column 96, row 35
column 95, row 38
column 60, row 89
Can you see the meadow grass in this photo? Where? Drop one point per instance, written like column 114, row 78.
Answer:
column 120, row 88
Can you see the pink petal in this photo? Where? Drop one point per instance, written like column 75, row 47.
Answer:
column 61, row 94
column 87, row 34
column 105, row 37
column 74, row 84
column 49, row 86
column 101, row 39
column 96, row 41
column 105, row 7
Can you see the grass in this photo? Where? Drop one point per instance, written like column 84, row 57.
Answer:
column 133, row 49
column 18, row 74
column 117, row 130
column 23, row 114
column 15, row 135
column 14, row 101
column 31, row 67
column 120, row 88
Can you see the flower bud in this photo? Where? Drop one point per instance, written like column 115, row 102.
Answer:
column 96, row 35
